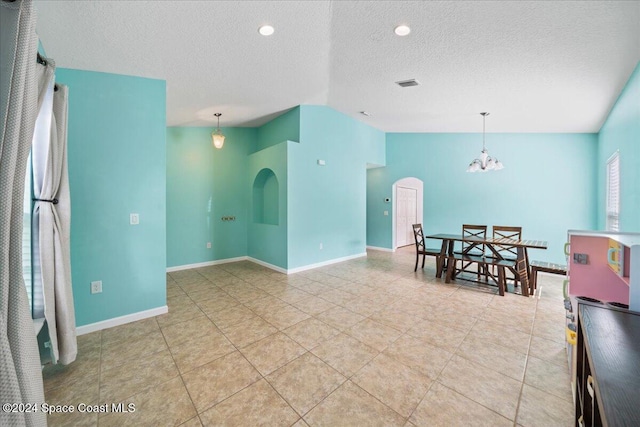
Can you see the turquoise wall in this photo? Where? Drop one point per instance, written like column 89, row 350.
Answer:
column 327, row 204
column 621, row 131
column 116, row 154
column 203, row 185
column 268, row 242
column 546, row 197
column 285, row 127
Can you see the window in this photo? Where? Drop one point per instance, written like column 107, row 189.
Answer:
column 613, row 192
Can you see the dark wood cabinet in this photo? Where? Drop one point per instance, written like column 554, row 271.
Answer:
column 608, row 367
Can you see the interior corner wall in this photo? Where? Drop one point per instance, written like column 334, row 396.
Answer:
column 205, row 184
column 116, row 155
column 327, row 203
column 546, row 186
column 285, row 127
column 621, row 131
column 268, row 242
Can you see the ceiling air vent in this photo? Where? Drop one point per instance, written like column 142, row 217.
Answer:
column 408, row 83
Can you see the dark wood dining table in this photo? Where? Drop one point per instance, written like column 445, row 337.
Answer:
column 493, row 244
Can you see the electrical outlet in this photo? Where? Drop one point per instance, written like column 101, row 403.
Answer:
column 96, row 287
column 208, row 245
column 386, row 213
column 320, row 246
column 134, row 219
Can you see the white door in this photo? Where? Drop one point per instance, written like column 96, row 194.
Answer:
column 406, row 215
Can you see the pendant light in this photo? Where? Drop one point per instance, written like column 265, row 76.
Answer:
column 217, row 137
column 485, row 162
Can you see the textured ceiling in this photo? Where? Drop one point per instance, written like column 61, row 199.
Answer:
column 536, row 66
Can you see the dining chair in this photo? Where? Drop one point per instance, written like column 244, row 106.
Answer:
column 469, row 248
column 509, row 253
column 421, row 249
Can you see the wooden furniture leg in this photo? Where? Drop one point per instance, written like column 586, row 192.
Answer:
column 521, row 267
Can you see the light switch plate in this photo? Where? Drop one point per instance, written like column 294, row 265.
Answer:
column 134, row 219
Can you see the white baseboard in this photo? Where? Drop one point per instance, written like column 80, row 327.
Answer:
column 117, row 321
column 377, row 248
column 266, row 264
column 324, row 263
column 206, row 263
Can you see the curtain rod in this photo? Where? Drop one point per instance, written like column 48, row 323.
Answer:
column 41, row 60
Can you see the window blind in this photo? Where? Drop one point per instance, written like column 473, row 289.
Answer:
column 613, row 192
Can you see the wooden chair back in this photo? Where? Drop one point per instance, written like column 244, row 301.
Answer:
column 507, row 232
column 470, row 230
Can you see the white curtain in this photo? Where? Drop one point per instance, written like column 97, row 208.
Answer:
column 52, row 213
column 20, row 374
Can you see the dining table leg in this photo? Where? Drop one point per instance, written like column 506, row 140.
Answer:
column 523, row 271
column 441, row 259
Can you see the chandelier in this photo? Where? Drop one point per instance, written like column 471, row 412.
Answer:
column 485, row 162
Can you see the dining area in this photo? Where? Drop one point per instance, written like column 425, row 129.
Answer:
column 495, row 256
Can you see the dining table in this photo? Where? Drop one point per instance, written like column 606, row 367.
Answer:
column 493, row 244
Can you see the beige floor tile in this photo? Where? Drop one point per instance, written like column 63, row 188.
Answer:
column 443, row 407
column 285, row 317
column 200, row 350
column 216, row 304
column 215, row 381
column 305, row 381
column 345, row 354
column 419, row 355
column 394, row 384
column 300, row 423
column 522, row 322
column 549, row 377
column 86, row 365
column 178, row 300
column 152, row 407
column 71, row 393
column 551, row 351
column 193, row 422
column 501, row 335
column 256, row 405
column 75, row 419
column 178, row 333
column 246, row 293
column 310, row 332
column 231, row 316
column 244, row 333
column 179, row 314
column 352, row 406
column 495, row 357
column 128, row 331
column 550, row 329
column 314, row 288
column 291, row 295
column 125, row 380
column 313, row 305
column 272, row 352
column 265, row 305
column 340, row 318
column 115, row 353
column 337, row 296
column 365, row 306
column 373, row 334
column 438, row 334
column 449, row 317
column 489, row 388
column 396, row 319
column 540, row 409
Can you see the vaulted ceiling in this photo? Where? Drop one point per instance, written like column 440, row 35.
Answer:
column 536, row 66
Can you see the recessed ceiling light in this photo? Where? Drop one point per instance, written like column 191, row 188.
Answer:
column 402, row 30
column 266, row 30
column 365, row 113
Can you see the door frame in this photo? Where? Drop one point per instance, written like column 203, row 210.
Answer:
column 408, row 182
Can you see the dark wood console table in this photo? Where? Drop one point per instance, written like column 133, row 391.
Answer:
column 608, row 367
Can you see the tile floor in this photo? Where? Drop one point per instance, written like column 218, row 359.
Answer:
column 366, row 342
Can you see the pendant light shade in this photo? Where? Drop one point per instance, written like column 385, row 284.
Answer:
column 485, row 162
column 216, row 136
